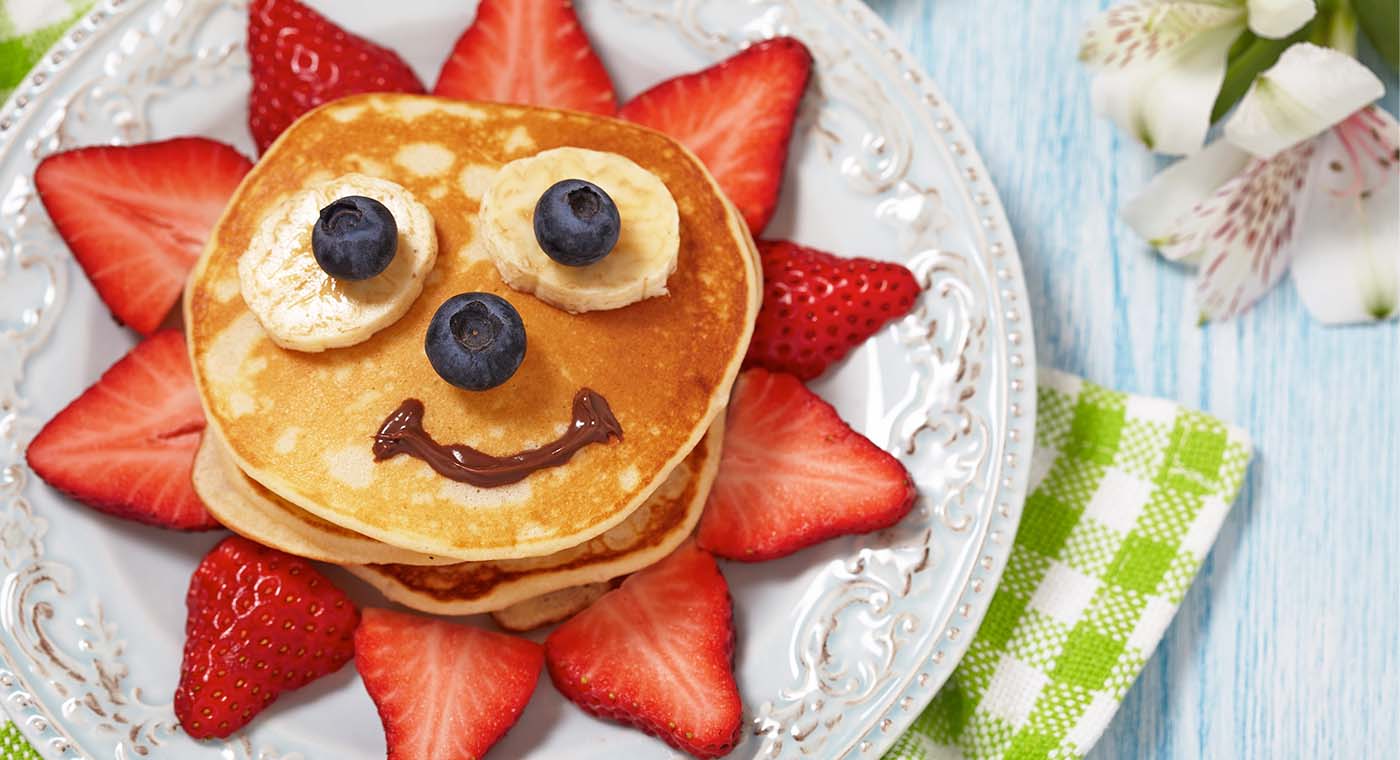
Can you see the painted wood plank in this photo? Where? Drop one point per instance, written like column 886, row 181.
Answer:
column 1288, row 644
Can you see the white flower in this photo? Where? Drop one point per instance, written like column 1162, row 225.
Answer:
column 1161, row 62
column 1346, row 258
column 1277, row 19
column 1308, row 90
column 1302, row 178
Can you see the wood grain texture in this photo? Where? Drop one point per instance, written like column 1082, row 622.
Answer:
column 1288, row 644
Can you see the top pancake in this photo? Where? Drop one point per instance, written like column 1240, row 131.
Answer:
column 302, row 424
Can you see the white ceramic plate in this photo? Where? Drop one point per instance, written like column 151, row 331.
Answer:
column 840, row 646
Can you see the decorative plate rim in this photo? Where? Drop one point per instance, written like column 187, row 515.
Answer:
column 1018, row 347
column 1009, row 311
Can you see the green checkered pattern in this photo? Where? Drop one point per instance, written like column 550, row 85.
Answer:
column 1126, row 496
column 27, row 29
column 13, row 746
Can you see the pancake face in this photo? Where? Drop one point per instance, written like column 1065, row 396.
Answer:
column 244, row 506
column 647, row 535
column 303, row 424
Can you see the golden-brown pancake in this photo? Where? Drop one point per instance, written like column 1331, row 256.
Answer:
column 245, row 507
column 551, row 608
column 302, row 424
column 645, row 537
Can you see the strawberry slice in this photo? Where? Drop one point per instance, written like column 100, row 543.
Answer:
column 137, row 217
column 444, row 691
column 300, row 59
column 126, row 445
column 793, row 474
column 260, row 623
column 657, row 653
column 817, row 307
column 528, row 51
column 737, row 117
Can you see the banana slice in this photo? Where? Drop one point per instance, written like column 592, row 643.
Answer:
column 638, row 266
column 303, row 308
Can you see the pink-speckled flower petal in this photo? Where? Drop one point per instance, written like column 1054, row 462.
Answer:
column 1161, row 212
column 1133, row 33
column 1347, row 261
column 1242, row 234
column 1160, row 66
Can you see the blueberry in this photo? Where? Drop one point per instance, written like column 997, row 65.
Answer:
column 355, row 238
column 476, row 341
column 576, row 223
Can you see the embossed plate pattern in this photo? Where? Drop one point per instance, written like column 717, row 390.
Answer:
column 840, row 646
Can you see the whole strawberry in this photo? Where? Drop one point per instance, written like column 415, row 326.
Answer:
column 817, row 306
column 260, row 622
column 299, row 60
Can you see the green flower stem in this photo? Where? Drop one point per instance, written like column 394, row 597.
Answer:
column 1335, row 26
column 1380, row 19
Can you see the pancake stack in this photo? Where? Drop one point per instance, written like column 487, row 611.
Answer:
column 288, row 460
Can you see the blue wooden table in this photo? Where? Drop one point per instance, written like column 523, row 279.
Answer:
column 1288, row 644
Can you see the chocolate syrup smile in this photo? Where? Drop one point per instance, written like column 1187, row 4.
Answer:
column 403, row 433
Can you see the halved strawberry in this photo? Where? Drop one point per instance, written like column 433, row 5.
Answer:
column 527, row 51
column 737, row 117
column 817, row 306
column 260, row 623
column 657, row 653
column 793, row 474
column 300, row 59
column 126, row 445
column 444, row 691
column 137, row 217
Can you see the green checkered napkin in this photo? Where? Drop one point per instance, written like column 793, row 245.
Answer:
column 27, row 29
column 13, row 746
column 1126, row 496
